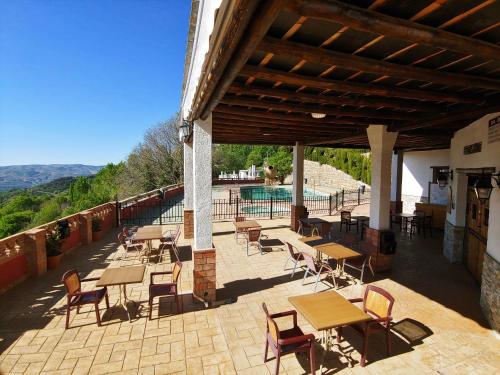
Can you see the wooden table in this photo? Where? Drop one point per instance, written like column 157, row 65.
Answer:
column 148, row 233
column 404, row 218
column 122, row 276
column 326, row 311
column 321, row 226
column 244, row 226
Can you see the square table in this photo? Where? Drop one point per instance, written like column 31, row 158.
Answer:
column 122, row 276
column 321, row 226
column 148, row 233
column 244, row 226
column 326, row 311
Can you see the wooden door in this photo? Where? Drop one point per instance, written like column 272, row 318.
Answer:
column 476, row 233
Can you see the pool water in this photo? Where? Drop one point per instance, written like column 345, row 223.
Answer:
column 275, row 192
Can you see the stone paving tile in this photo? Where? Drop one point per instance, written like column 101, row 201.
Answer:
column 440, row 298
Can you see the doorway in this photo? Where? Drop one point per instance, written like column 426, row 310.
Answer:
column 476, row 231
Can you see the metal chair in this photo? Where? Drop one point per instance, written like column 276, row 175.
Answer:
column 294, row 256
column 363, row 261
column 236, row 230
column 254, row 237
column 317, row 268
column 170, row 239
column 377, row 303
column 287, row 341
column 130, row 246
column 75, row 296
column 165, row 288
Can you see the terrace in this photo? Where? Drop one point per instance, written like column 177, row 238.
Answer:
column 436, row 329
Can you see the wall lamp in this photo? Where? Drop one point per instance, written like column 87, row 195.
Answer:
column 483, row 186
column 442, row 177
column 185, row 130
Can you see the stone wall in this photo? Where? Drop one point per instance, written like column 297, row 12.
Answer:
column 453, row 242
column 326, row 175
column 490, row 295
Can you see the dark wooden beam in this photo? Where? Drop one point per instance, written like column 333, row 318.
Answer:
column 262, row 21
column 360, row 88
column 238, row 88
column 246, row 102
column 348, row 61
column 242, row 125
column 378, row 23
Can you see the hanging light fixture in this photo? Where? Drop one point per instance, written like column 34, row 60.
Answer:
column 185, row 130
column 483, row 188
column 318, row 115
column 442, row 178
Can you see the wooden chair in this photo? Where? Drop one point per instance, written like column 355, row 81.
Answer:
column 360, row 263
column 165, row 288
column 317, row 268
column 237, row 231
column 295, row 256
column 287, row 341
column 75, row 296
column 170, row 239
column 345, row 219
column 417, row 223
column 129, row 246
column 378, row 304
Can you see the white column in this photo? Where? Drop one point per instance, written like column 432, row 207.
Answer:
column 381, row 145
column 396, row 176
column 188, row 176
column 298, row 175
column 202, row 179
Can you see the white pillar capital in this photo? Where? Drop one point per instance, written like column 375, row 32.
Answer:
column 202, row 183
column 381, row 145
column 298, row 175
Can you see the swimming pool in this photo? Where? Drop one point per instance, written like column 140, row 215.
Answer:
column 276, row 192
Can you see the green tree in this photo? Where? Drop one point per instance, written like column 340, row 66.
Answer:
column 282, row 162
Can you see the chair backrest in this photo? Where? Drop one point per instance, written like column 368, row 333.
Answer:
column 239, row 218
column 310, row 262
column 121, row 239
column 126, row 231
column 272, row 327
column 253, row 235
column 71, row 281
column 290, row 249
column 377, row 301
column 345, row 215
column 176, row 271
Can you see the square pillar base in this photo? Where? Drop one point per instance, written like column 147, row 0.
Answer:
column 396, row 207
column 204, row 271
column 188, row 224
column 297, row 212
column 380, row 262
column 490, row 285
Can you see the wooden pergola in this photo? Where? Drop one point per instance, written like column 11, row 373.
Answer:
column 424, row 68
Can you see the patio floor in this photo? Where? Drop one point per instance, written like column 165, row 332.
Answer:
column 438, row 328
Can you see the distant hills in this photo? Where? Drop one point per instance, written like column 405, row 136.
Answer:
column 26, row 176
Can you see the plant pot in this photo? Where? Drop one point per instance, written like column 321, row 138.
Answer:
column 96, row 236
column 53, row 261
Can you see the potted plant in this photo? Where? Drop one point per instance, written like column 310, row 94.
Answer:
column 96, row 228
column 53, row 249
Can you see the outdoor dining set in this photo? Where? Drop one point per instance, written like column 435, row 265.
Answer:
column 328, row 312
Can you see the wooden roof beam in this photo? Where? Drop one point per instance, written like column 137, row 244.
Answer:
column 344, row 60
column 373, row 22
column 360, row 88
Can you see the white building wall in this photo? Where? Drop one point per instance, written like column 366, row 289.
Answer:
column 488, row 157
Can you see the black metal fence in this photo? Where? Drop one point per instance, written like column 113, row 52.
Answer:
column 166, row 211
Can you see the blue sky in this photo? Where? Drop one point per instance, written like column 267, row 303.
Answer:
column 80, row 81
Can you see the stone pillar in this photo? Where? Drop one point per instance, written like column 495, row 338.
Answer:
column 86, row 227
column 204, row 266
column 396, row 181
column 297, row 208
column 381, row 145
column 188, row 191
column 36, row 253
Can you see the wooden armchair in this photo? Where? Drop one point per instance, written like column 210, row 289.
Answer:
column 377, row 303
column 165, row 288
column 75, row 296
column 288, row 341
column 347, row 221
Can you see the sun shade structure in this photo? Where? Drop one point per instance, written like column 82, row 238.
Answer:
column 425, row 69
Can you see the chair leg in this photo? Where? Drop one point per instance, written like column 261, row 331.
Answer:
column 107, row 300
column 317, row 281
column 176, row 302
column 151, row 308
column 266, row 348
column 98, row 316
column 312, row 359
column 294, row 267
column 78, row 309
column 68, row 308
column 277, row 363
column 365, row 347
column 362, row 272
column 339, row 334
column 388, row 339
column 305, row 276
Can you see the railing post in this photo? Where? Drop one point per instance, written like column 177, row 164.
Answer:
column 271, row 210
column 342, row 197
column 230, row 195
column 237, row 207
column 336, row 201
column 330, row 205
column 161, row 213
column 118, row 213
column 359, row 196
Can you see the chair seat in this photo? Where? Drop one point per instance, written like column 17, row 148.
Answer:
column 88, row 297
column 167, row 239
column 298, row 256
column 290, row 333
column 162, row 289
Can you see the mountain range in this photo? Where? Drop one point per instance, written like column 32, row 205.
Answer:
column 26, row 176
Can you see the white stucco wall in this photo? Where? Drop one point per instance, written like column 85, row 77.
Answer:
column 488, row 157
column 417, row 170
